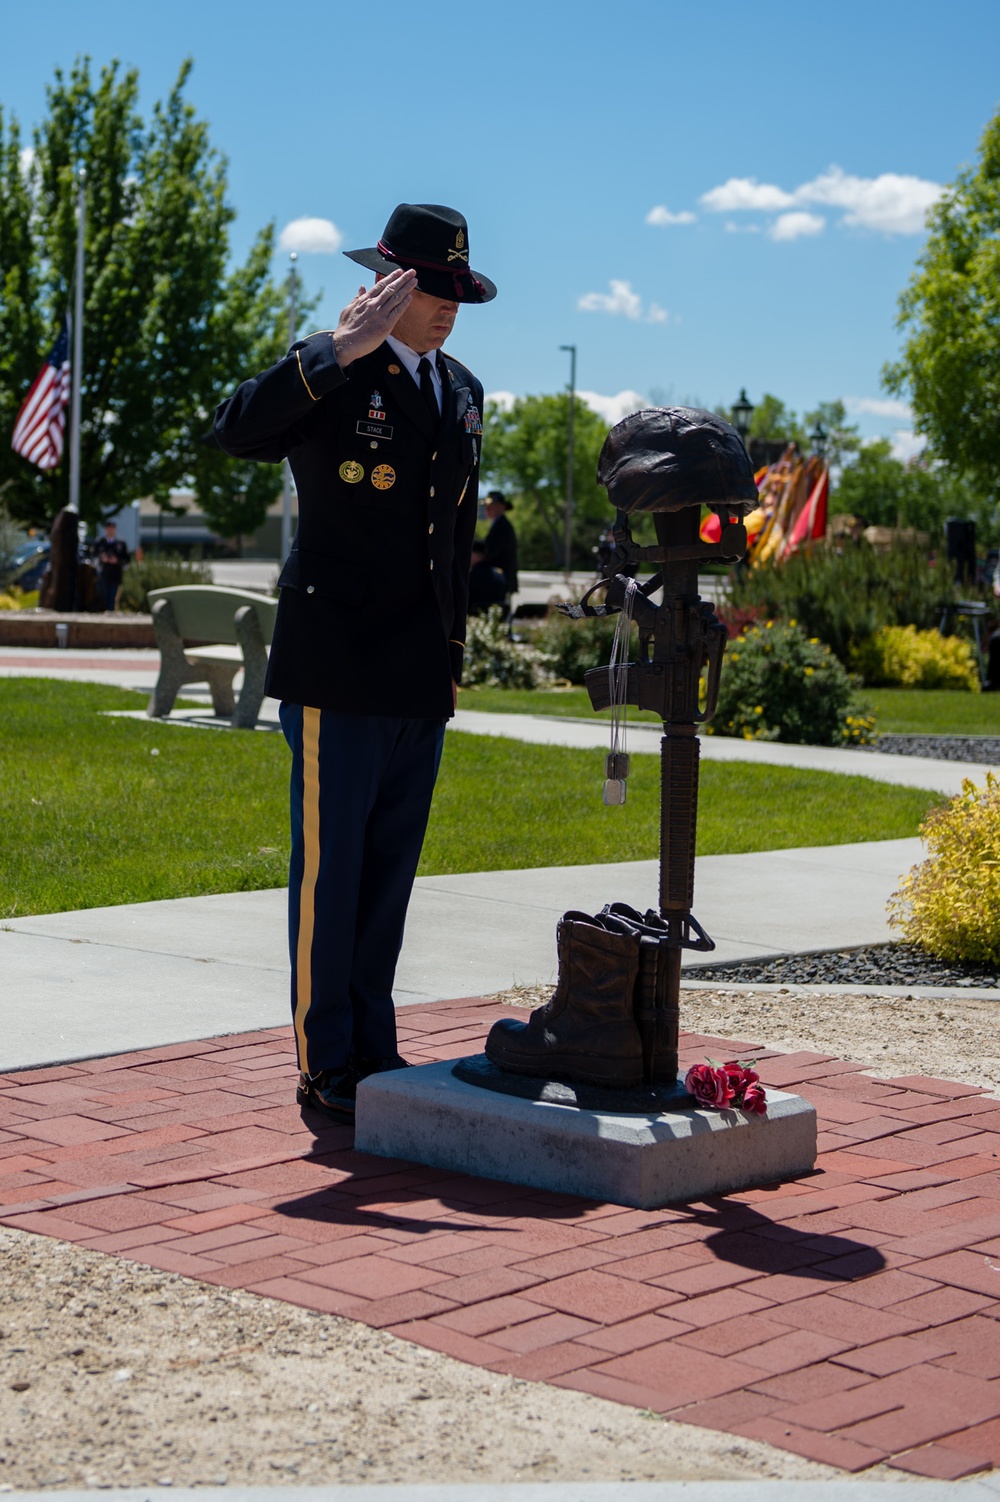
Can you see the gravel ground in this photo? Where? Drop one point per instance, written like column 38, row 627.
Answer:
column 119, row 1375
column 980, row 748
column 874, row 965
column 955, row 1040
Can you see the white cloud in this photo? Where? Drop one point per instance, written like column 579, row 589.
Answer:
column 732, row 228
column 906, row 444
column 892, row 203
column 746, row 193
column 662, row 215
column 26, row 157
column 878, row 406
column 794, row 225
column 623, row 302
column 621, row 299
column 613, row 408
column 311, row 236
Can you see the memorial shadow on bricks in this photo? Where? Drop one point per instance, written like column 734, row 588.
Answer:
column 368, row 1193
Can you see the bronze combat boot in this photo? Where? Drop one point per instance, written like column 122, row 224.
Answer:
column 655, row 1022
column 587, row 1031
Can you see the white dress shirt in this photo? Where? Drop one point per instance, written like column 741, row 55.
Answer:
column 411, row 359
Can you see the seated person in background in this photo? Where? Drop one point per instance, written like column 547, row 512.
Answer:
column 487, row 585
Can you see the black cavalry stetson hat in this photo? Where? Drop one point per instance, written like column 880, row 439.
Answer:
column 434, row 242
column 665, row 458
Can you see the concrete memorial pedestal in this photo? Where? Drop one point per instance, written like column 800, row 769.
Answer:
column 644, row 1159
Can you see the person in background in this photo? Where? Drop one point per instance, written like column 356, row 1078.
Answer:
column 501, row 539
column 112, row 556
column 487, row 585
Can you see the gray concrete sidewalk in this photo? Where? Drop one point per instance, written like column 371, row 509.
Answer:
column 846, row 1489
column 904, row 771
column 145, row 974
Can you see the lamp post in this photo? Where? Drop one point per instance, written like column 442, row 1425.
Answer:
column 570, row 349
column 286, row 499
column 819, row 438
column 742, row 412
column 76, row 383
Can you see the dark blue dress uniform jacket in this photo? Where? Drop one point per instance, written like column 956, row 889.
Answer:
column 373, row 596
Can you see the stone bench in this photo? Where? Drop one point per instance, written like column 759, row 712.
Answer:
column 205, row 634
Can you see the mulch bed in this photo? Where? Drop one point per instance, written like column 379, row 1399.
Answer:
column 977, row 748
column 851, row 1316
column 870, row 965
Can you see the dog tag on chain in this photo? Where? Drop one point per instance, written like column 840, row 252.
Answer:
column 614, row 791
column 617, row 765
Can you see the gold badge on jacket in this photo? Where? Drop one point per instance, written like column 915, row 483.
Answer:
column 351, row 471
column 383, row 476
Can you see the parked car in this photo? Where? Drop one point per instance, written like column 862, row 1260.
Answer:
column 25, row 565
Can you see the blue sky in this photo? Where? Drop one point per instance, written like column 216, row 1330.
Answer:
column 573, row 136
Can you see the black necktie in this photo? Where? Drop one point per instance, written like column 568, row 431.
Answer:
column 427, row 389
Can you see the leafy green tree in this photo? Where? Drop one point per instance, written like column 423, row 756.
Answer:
column 773, row 422
column 921, row 493
column 527, row 447
column 167, row 328
column 23, row 329
column 950, row 316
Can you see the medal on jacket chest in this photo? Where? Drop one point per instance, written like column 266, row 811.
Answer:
column 472, row 420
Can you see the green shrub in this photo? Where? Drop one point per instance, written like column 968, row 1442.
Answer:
column 13, row 598
column 159, row 571
column 573, row 647
column 493, row 660
column 780, row 685
column 950, row 903
column 902, row 656
column 846, row 598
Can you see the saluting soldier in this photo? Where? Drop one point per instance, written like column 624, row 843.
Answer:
column 382, row 431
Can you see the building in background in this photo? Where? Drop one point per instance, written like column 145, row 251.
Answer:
column 163, row 531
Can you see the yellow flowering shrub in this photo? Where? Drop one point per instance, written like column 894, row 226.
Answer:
column 18, row 599
column 780, row 685
column 908, row 658
column 950, row 903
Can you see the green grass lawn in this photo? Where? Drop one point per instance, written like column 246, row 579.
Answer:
column 573, row 702
column 912, row 711
column 899, row 711
column 92, row 817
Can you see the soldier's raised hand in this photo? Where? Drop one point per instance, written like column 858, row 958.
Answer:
column 370, row 316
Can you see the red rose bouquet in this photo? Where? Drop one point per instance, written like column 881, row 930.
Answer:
column 733, row 1085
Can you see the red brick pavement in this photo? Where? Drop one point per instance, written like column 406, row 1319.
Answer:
column 851, row 1315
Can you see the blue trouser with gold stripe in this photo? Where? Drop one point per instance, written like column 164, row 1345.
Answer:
column 361, row 791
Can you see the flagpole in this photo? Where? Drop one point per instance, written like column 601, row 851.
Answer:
column 77, row 375
column 286, row 500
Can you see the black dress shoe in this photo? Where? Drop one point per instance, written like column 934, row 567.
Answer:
column 331, row 1092
column 365, row 1067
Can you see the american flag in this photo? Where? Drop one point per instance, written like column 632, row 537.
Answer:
column 41, row 422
